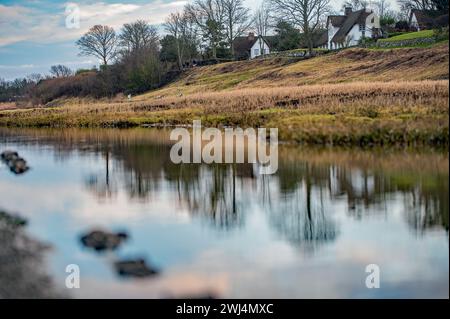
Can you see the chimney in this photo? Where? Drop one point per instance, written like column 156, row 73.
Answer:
column 251, row 36
column 348, row 10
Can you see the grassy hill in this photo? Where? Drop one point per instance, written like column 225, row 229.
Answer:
column 352, row 65
column 410, row 36
column 356, row 96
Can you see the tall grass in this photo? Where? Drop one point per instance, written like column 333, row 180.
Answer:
column 355, row 96
column 346, row 113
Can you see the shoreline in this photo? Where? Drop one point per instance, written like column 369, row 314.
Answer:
column 347, row 114
column 361, row 144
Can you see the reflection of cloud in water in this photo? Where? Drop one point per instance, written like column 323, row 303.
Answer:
column 268, row 273
column 82, row 206
column 357, row 207
column 177, row 284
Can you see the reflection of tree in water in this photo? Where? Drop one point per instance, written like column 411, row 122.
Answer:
column 142, row 167
column 212, row 191
column 102, row 185
column 22, row 273
column 362, row 189
column 427, row 209
column 369, row 182
column 424, row 196
column 299, row 213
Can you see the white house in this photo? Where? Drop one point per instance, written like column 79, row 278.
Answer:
column 251, row 46
column 348, row 29
column 413, row 21
column 260, row 47
column 427, row 19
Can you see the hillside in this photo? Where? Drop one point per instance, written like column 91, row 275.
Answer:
column 353, row 65
column 356, row 96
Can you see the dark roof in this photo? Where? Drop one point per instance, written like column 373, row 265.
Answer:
column 336, row 21
column 242, row 45
column 355, row 17
column 422, row 16
column 429, row 18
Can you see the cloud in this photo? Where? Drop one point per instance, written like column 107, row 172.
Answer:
column 21, row 23
column 21, row 66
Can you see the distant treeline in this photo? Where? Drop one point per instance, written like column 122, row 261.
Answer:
column 136, row 59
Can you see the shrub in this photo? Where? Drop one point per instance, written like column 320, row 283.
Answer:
column 402, row 26
column 441, row 34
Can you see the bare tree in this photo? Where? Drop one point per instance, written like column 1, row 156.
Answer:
column 208, row 15
column 179, row 26
column 34, row 77
column 262, row 19
column 173, row 27
column 306, row 14
column 138, row 35
column 60, row 71
column 100, row 41
column 356, row 4
column 416, row 4
column 439, row 5
column 237, row 20
column 382, row 6
column 262, row 22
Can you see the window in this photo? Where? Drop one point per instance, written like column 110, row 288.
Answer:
column 362, row 27
column 256, row 52
column 373, row 20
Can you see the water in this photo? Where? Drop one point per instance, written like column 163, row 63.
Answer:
column 308, row 231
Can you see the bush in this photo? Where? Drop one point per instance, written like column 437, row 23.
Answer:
column 402, row 26
column 77, row 85
column 81, row 71
column 394, row 34
column 441, row 34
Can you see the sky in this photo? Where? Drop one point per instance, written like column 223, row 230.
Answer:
column 34, row 34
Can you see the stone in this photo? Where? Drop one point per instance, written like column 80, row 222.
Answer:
column 101, row 240
column 134, row 268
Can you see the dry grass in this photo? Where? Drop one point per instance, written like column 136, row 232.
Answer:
column 7, row 106
column 354, row 65
column 352, row 97
column 345, row 113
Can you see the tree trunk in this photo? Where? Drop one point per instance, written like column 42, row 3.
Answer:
column 214, row 51
column 180, row 62
column 230, row 26
column 310, row 45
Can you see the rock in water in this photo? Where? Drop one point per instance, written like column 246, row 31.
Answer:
column 9, row 155
column 101, row 240
column 16, row 164
column 134, row 268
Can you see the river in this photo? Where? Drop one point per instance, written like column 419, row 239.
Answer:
column 222, row 230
